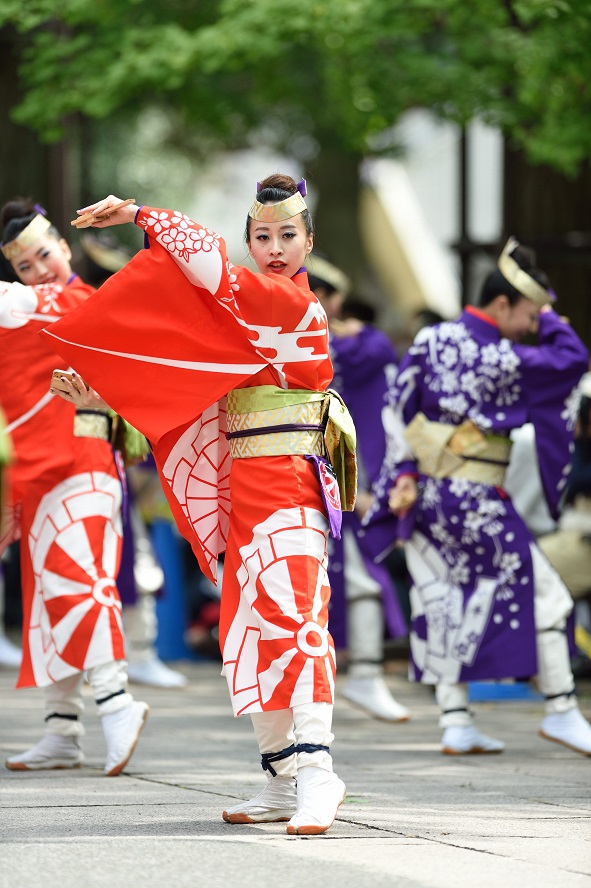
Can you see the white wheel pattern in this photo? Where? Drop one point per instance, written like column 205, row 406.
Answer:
column 75, row 546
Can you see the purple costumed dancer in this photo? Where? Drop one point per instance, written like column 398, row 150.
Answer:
column 363, row 594
column 485, row 602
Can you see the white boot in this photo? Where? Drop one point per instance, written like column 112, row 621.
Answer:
column 140, row 627
column 320, row 793
column 466, row 740
column 277, row 801
column 52, row 751
column 10, row 654
column 373, row 696
column 156, row 674
column 122, row 730
column 570, row 728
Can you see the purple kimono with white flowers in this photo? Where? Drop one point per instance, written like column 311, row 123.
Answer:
column 365, row 367
column 468, row 551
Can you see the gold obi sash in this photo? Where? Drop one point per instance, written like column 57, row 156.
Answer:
column 109, row 426
column 5, row 458
column 448, row 451
column 92, row 424
column 268, row 421
column 272, row 432
column 5, row 446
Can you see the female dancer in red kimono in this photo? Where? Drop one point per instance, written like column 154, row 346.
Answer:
column 64, row 503
column 225, row 371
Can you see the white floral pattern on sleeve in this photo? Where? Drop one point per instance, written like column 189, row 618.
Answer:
column 184, row 241
column 195, row 248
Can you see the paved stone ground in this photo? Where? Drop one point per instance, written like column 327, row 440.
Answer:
column 413, row 818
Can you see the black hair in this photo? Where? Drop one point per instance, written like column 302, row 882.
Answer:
column 357, row 308
column 427, row 317
column 273, row 189
column 317, row 283
column 496, row 284
column 15, row 215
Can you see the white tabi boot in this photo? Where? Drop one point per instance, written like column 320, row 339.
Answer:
column 60, row 747
column 320, row 794
column 156, row 674
column 460, row 736
column 10, row 654
column 570, row 729
column 564, row 722
column 278, row 800
column 365, row 687
column 122, row 717
column 122, row 731
column 466, row 740
column 53, row 751
column 370, row 693
column 320, row 791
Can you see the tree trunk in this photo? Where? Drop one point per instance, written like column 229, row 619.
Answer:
column 552, row 214
column 335, row 176
column 29, row 168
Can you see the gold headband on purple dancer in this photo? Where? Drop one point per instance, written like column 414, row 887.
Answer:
column 37, row 227
column 283, row 209
column 520, row 279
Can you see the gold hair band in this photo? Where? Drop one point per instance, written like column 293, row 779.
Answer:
column 519, row 278
column 277, row 212
column 28, row 236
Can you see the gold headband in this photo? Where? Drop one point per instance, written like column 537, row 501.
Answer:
column 285, row 209
column 28, row 236
column 519, row 278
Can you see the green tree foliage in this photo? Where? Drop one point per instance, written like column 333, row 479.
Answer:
column 341, row 71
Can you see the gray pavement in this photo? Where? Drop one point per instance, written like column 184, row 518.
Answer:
column 413, row 818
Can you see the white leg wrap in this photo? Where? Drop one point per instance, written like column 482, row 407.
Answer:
column 552, row 604
column 140, row 629
column 552, row 600
column 452, row 699
column 365, row 614
column 109, row 687
column 274, row 732
column 555, row 678
column 312, row 724
column 64, row 707
column 365, row 633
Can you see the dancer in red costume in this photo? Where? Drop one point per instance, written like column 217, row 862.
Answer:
column 225, row 370
column 64, row 504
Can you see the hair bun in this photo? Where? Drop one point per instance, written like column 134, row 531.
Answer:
column 19, row 208
column 281, row 181
column 525, row 257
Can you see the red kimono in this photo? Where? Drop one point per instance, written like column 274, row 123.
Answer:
column 64, row 499
column 164, row 340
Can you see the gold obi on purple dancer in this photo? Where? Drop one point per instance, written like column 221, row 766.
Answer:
column 449, row 451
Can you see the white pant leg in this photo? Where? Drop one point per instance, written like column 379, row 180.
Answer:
column 64, row 707
column 552, row 605
column 452, row 699
column 312, row 724
column 140, row 629
column 109, row 686
column 365, row 613
column 274, row 733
